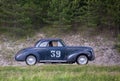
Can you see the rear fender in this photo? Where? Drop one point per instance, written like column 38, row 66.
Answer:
column 73, row 57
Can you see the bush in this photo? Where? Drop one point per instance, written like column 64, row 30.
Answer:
column 17, row 32
column 118, row 43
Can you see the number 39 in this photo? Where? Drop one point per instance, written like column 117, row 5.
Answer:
column 56, row 54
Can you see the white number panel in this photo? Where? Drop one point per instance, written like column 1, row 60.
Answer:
column 56, row 54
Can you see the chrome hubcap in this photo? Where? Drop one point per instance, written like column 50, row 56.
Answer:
column 31, row 60
column 82, row 60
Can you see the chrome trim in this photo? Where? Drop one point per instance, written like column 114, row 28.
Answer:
column 53, row 60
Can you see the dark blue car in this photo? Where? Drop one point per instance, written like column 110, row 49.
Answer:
column 55, row 51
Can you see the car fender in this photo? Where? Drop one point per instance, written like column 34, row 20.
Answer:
column 72, row 57
column 34, row 54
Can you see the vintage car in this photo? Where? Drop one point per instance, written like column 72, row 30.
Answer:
column 55, row 51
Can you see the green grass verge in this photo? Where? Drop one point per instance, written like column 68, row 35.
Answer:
column 60, row 73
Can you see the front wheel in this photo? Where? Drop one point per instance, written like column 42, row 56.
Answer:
column 31, row 60
column 82, row 60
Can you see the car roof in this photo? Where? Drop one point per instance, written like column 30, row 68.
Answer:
column 50, row 39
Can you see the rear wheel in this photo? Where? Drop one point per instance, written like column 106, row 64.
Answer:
column 31, row 60
column 82, row 60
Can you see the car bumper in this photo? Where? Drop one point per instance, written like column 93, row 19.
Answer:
column 92, row 58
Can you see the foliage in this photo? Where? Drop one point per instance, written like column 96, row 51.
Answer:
column 69, row 14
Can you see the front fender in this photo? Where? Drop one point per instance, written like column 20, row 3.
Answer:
column 23, row 56
column 73, row 57
column 34, row 54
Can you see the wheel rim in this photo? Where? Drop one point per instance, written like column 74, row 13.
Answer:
column 82, row 60
column 31, row 60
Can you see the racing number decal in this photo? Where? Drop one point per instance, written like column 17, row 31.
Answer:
column 52, row 53
column 56, row 54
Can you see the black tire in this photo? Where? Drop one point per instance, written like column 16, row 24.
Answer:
column 31, row 60
column 82, row 60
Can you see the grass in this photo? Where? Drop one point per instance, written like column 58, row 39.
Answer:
column 60, row 73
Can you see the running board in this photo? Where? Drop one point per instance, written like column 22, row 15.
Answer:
column 53, row 60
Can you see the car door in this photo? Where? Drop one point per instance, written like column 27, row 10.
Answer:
column 56, row 53
column 42, row 50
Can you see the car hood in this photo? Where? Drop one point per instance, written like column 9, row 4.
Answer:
column 25, row 49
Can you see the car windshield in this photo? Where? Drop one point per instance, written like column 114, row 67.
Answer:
column 41, row 44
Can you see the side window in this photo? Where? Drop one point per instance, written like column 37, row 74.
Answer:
column 59, row 44
column 55, row 44
column 43, row 44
